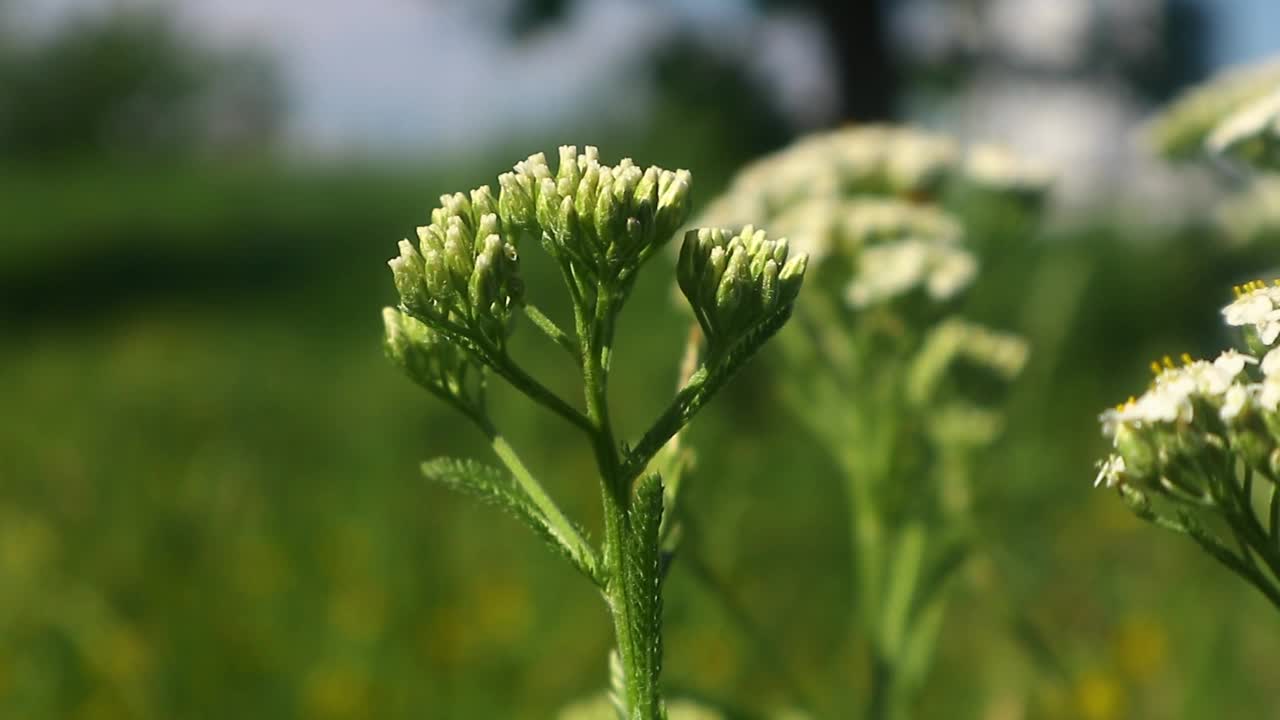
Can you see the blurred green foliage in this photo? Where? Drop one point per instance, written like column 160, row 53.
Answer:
column 210, row 504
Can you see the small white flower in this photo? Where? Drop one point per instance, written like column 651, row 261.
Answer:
column 1110, row 419
column 1110, row 472
column 1269, row 396
column 1268, row 332
column 1235, row 400
column 886, row 271
column 953, row 270
column 1232, row 363
column 1248, row 309
column 1271, row 363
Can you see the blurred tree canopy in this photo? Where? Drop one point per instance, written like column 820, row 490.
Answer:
column 129, row 81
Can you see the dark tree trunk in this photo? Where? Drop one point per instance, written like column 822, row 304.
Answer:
column 865, row 72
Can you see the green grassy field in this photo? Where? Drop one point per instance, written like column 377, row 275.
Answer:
column 210, row 505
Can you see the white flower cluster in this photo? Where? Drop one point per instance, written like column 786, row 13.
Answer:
column 863, row 197
column 1184, row 403
column 862, row 160
column 1230, row 406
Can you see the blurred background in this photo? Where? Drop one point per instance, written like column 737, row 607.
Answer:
column 209, row 498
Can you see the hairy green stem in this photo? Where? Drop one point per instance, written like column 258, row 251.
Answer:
column 538, row 392
column 641, row 694
column 553, row 331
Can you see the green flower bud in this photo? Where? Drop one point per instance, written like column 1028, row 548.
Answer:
column 792, row 277
column 646, row 194
column 408, row 271
column 673, row 202
column 516, row 200
column 1253, row 443
column 570, row 170
column 769, row 295
column 733, row 283
column 548, row 206
column 482, row 286
column 588, row 187
column 603, row 214
column 1139, row 451
column 458, row 255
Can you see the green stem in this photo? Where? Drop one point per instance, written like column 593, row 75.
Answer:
column 539, row 393
column 638, row 663
column 553, row 331
column 880, row 701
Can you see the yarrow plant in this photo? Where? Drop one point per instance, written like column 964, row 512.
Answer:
column 879, row 368
column 461, row 295
column 1199, row 451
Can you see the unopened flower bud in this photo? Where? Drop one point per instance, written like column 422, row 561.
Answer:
column 516, row 200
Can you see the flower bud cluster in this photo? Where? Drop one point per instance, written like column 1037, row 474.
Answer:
column 603, row 220
column 430, row 360
column 1182, row 129
column 465, row 269
column 736, row 282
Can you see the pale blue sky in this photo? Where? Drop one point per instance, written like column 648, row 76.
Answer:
column 390, row 74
